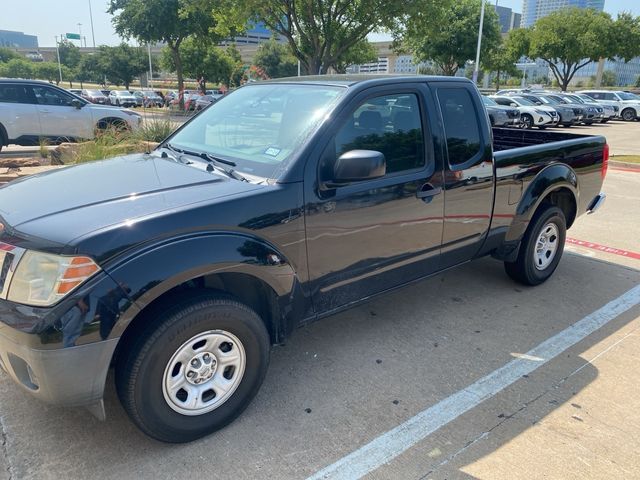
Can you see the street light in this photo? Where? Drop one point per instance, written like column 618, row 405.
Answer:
column 93, row 35
column 477, row 66
column 58, row 54
column 524, row 70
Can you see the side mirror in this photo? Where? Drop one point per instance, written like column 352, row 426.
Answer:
column 512, row 104
column 357, row 166
column 76, row 103
column 538, row 103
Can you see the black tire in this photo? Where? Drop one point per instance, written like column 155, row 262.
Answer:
column 140, row 368
column 542, row 127
column 524, row 270
column 589, row 122
column 604, row 120
column 527, row 121
column 628, row 114
column 567, row 125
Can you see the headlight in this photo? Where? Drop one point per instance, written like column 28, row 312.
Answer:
column 542, row 112
column 42, row 279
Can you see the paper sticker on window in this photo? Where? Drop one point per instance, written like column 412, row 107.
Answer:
column 272, row 151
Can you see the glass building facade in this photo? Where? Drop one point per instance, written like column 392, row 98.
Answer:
column 532, row 10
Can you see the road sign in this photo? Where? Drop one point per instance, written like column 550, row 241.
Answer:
column 73, row 36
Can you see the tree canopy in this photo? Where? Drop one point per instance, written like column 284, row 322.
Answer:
column 121, row 64
column 276, row 59
column 202, row 60
column 7, row 54
column 448, row 37
column 569, row 39
column 321, row 33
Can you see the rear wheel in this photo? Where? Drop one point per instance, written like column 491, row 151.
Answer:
column 541, row 247
column 194, row 368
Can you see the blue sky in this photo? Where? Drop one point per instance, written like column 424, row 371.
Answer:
column 47, row 18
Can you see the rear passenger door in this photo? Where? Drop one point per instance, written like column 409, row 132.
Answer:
column 18, row 114
column 58, row 117
column 374, row 235
column 468, row 171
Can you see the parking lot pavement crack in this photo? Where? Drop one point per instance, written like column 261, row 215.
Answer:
column 4, row 450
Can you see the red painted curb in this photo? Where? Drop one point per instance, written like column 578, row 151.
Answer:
column 603, row 248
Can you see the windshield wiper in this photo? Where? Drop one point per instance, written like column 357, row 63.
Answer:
column 212, row 159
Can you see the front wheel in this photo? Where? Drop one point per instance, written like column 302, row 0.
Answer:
column 628, row 114
column 527, row 121
column 194, row 368
column 541, row 248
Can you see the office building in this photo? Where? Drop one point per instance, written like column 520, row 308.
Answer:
column 532, row 10
column 13, row 39
column 508, row 19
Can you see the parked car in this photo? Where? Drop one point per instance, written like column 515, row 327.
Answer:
column 569, row 115
column 31, row 111
column 611, row 110
column 628, row 103
column 122, row 98
column 591, row 113
column 190, row 100
column 244, row 225
column 75, row 91
column 501, row 116
column 170, row 96
column 599, row 116
column 106, row 93
column 531, row 115
column 148, row 98
column 203, row 102
column 94, row 96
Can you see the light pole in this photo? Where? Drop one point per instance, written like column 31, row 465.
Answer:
column 80, row 32
column 150, row 67
column 93, row 35
column 524, row 70
column 58, row 54
column 477, row 66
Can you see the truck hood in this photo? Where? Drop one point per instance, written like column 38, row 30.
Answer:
column 61, row 205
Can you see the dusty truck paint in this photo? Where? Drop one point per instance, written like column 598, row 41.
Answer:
column 285, row 238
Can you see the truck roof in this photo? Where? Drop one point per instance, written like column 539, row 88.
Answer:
column 348, row 80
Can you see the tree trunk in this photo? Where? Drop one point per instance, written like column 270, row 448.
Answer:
column 126, row 85
column 175, row 50
column 498, row 81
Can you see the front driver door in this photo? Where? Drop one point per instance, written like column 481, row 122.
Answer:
column 373, row 235
column 58, row 117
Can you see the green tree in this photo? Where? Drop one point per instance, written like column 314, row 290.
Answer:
column 48, row 71
column 627, row 35
column 569, row 39
column 91, row 69
column 503, row 58
column 361, row 52
column 69, row 54
column 320, row 33
column 168, row 21
column 449, row 38
column 122, row 64
column 276, row 59
column 7, row 54
column 18, row 68
column 609, row 78
column 201, row 60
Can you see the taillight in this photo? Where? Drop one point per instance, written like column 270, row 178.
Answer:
column 605, row 160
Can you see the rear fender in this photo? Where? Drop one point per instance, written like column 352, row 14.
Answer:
column 548, row 180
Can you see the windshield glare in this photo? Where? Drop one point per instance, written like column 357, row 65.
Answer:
column 524, row 101
column 259, row 127
column 627, row 96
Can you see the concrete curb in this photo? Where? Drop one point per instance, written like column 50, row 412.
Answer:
column 625, row 165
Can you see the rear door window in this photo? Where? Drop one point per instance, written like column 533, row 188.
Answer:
column 461, row 124
column 13, row 94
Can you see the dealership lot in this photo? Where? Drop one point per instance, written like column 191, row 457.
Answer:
column 348, row 380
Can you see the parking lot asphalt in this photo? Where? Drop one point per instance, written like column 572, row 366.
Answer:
column 347, row 381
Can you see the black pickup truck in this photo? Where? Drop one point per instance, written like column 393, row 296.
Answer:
column 283, row 202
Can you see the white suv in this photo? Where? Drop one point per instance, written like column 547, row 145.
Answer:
column 628, row 103
column 31, row 111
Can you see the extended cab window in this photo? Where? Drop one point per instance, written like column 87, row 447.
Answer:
column 50, row 96
column 390, row 124
column 461, row 124
column 12, row 94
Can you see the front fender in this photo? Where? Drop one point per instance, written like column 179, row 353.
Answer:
column 146, row 275
column 551, row 178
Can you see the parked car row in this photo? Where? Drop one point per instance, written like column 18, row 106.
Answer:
column 544, row 108
column 193, row 100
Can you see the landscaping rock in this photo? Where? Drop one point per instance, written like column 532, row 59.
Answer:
column 17, row 162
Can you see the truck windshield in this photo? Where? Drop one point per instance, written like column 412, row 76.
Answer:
column 259, row 127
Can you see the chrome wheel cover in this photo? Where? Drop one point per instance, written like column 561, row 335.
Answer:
column 204, row 372
column 546, row 246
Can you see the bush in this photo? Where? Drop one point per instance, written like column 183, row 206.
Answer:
column 154, row 130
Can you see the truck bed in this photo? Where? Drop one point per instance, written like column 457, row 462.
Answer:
column 508, row 138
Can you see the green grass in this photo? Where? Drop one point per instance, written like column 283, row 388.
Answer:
column 626, row 158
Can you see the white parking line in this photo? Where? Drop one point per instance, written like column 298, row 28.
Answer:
column 389, row 445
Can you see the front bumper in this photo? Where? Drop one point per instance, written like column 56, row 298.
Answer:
column 70, row 377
